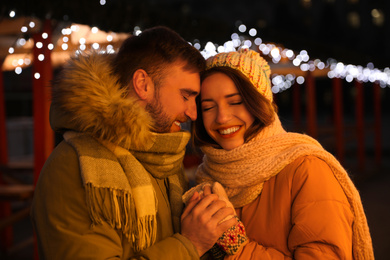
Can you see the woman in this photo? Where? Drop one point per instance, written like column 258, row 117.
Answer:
column 294, row 199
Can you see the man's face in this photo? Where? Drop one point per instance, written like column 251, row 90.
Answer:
column 174, row 102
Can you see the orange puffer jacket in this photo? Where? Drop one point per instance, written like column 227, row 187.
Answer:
column 302, row 213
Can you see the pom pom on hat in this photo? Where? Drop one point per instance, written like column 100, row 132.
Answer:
column 249, row 63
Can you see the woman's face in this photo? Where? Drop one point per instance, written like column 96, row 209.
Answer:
column 225, row 116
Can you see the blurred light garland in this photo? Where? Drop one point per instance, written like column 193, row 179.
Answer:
column 275, row 53
column 301, row 59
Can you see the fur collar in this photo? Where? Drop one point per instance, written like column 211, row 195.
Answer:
column 87, row 98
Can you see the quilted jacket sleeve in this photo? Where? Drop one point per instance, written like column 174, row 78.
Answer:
column 314, row 221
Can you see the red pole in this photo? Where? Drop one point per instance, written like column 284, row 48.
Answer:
column 378, row 123
column 338, row 118
column 360, row 124
column 296, row 93
column 311, row 109
column 42, row 75
column 3, row 126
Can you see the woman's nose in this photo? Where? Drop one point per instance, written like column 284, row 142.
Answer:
column 223, row 115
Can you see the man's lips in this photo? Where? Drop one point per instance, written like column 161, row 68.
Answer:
column 176, row 126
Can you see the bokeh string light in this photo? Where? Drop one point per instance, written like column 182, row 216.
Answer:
column 244, row 39
column 300, row 59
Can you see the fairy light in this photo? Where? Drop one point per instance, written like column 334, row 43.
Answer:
column 74, row 28
column 281, row 82
column 66, row 31
column 209, row 50
column 95, row 45
column 18, row 70
column 252, row 32
column 110, row 49
column 258, row 41
column 247, row 44
column 82, row 41
column 299, row 59
column 275, row 52
column 242, row 28
column 41, row 57
column 229, row 46
column 37, row 75
column 290, row 54
column 300, row 80
column 21, row 42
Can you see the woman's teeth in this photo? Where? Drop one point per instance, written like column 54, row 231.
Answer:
column 177, row 123
column 229, row 130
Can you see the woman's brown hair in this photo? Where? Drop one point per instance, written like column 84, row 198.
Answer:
column 259, row 106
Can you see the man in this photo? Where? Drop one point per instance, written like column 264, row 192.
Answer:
column 112, row 188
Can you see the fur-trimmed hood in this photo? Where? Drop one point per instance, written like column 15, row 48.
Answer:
column 87, row 98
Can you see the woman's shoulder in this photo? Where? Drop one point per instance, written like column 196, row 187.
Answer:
column 312, row 175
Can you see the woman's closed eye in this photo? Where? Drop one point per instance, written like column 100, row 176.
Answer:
column 207, row 108
column 236, row 103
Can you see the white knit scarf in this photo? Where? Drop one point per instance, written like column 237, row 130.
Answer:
column 243, row 171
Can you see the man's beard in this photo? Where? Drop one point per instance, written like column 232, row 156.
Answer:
column 162, row 123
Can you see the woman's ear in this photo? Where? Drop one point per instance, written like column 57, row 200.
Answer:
column 142, row 84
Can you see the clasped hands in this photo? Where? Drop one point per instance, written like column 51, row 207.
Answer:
column 208, row 216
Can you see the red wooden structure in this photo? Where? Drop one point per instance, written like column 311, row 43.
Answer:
column 378, row 123
column 43, row 135
column 42, row 75
column 359, row 109
column 6, row 235
column 311, row 108
column 338, row 118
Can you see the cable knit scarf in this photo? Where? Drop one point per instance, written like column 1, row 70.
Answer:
column 118, row 187
column 243, row 171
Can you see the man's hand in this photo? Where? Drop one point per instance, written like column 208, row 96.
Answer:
column 201, row 219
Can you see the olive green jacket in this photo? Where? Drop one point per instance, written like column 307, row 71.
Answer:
column 87, row 99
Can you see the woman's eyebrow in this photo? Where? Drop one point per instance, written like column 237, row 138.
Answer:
column 227, row 96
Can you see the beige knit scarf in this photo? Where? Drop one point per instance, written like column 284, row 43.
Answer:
column 118, row 184
column 243, row 171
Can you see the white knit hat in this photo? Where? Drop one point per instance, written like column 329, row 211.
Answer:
column 249, row 63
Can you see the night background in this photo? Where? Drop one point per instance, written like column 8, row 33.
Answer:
column 353, row 32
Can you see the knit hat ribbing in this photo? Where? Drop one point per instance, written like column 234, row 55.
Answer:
column 249, row 63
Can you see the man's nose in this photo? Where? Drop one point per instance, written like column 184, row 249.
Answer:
column 191, row 110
